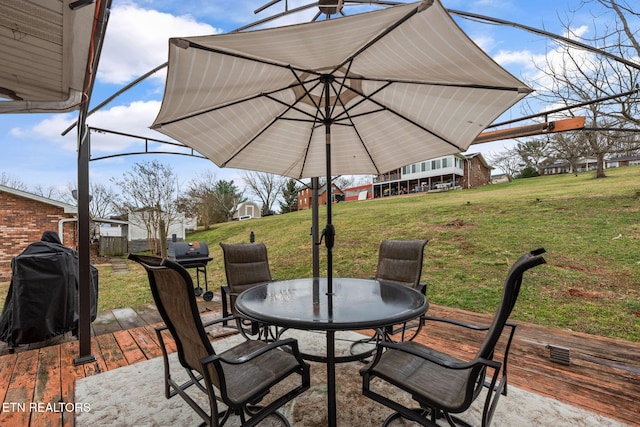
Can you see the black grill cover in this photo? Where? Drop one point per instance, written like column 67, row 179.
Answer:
column 43, row 295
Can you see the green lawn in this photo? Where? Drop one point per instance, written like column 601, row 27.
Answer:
column 590, row 229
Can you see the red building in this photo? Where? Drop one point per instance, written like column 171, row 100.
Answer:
column 305, row 196
column 361, row 192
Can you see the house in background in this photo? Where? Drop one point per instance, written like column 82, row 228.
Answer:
column 24, row 217
column 305, row 196
column 562, row 166
column 588, row 164
column 247, row 210
column 455, row 171
column 360, row 192
column 621, row 161
column 132, row 228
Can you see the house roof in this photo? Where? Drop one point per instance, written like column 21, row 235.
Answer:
column 623, row 158
column 48, row 50
column 70, row 209
column 480, row 157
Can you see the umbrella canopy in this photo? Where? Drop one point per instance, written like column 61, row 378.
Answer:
column 405, row 84
column 363, row 94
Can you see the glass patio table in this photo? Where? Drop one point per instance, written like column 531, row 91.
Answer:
column 354, row 304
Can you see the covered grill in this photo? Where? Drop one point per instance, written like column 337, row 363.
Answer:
column 193, row 255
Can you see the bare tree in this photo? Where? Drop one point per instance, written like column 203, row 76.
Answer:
column 533, row 152
column 10, row 181
column 344, row 181
column 50, row 192
column 568, row 146
column 570, row 76
column 265, row 186
column 150, row 190
column 199, row 200
column 509, row 161
column 103, row 201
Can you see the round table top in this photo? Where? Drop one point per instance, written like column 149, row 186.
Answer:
column 355, row 304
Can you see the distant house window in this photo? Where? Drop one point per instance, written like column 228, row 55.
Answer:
column 435, row 164
column 423, row 166
column 413, row 168
column 445, row 162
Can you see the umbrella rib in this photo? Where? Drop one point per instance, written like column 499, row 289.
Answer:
column 190, row 44
column 384, row 107
column 363, row 99
column 425, row 4
column 306, row 94
column 263, row 130
column 447, row 84
column 306, row 151
column 239, row 101
column 290, row 107
column 339, row 91
column 279, row 117
column 364, row 146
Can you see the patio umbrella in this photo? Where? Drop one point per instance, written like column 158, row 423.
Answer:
column 363, row 94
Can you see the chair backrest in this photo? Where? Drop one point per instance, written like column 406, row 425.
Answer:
column 245, row 265
column 509, row 296
column 400, row 261
column 174, row 296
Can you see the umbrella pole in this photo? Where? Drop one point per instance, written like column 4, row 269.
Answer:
column 329, row 231
column 329, row 236
column 315, row 183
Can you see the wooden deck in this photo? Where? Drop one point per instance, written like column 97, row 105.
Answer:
column 603, row 375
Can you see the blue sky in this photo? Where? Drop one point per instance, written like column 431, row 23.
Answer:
column 34, row 152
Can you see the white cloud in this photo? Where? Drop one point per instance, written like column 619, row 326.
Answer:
column 137, row 41
column 51, row 128
column 133, row 119
column 484, row 42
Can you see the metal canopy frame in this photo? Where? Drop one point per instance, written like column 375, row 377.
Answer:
column 84, row 139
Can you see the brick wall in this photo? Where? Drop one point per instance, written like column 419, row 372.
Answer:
column 476, row 174
column 22, row 221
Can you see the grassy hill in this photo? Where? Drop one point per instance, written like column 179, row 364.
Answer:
column 590, row 229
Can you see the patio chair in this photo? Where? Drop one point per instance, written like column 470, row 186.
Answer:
column 441, row 383
column 239, row 377
column 399, row 262
column 246, row 265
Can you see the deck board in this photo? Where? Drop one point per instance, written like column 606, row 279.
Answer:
column 21, row 390
column 47, row 391
column 130, row 349
column 69, row 373
column 111, row 352
column 603, row 377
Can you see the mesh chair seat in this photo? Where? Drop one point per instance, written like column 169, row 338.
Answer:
column 423, row 378
column 239, row 377
column 441, row 384
column 266, row 370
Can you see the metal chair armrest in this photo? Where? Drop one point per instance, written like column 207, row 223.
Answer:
column 444, row 363
column 224, row 293
column 291, row 342
column 455, row 322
